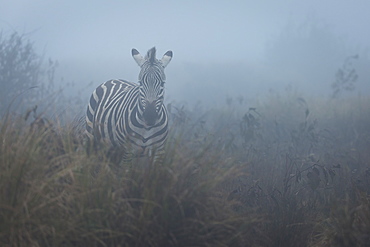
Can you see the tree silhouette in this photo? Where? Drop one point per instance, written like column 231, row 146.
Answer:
column 24, row 79
column 345, row 77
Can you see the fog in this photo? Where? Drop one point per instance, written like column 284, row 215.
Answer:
column 221, row 48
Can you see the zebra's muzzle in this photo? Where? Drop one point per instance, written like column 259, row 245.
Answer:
column 150, row 114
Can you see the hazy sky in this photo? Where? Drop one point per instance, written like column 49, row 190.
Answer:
column 92, row 40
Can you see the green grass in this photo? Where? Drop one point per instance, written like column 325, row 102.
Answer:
column 292, row 172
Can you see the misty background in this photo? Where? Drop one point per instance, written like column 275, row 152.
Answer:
column 222, row 49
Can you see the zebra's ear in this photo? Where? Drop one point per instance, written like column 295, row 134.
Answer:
column 138, row 58
column 166, row 58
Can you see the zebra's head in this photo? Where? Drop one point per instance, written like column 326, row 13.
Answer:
column 151, row 79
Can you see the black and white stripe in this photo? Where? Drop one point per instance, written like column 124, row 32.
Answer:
column 132, row 116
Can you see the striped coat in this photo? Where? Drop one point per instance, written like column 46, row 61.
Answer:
column 130, row 116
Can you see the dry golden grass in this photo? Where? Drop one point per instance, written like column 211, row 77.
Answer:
column 289, row 173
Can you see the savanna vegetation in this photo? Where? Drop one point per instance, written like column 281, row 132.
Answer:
column 290, row 170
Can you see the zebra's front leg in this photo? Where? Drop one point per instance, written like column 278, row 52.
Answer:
column 157, row 156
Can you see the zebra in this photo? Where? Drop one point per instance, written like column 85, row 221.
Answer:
column 131, row 117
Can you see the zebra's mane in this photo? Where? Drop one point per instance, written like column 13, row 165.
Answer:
column 150, row 56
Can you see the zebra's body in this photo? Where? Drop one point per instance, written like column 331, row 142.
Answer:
column 128, row 116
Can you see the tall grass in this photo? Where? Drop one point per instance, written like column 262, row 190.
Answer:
column 53, row 194
column 288, row 171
